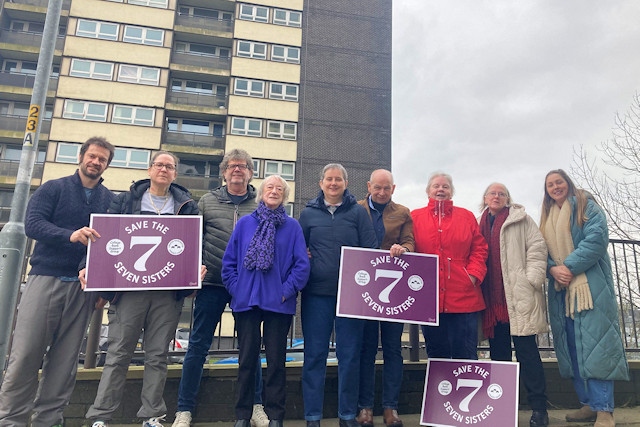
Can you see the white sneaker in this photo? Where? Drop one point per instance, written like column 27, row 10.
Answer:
column 183, row 419
column 154, row 422
column 100, row 424
column 259, row 418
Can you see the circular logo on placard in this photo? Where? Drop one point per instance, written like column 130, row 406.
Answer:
column 415, row 282
column 115, row 247
column 444, row 388
column 494, row 391
column 175, row 247
column 362, row 278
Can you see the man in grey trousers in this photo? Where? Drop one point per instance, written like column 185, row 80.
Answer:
column 54, row 311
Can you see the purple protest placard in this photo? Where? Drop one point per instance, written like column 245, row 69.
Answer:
column 374, row 285
column 461, row 393
column 145, row 252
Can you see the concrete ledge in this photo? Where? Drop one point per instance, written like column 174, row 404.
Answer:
column 216, row 398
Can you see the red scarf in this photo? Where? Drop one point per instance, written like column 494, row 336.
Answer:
column 493, row 286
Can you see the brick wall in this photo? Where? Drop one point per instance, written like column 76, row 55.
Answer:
column 217, row 393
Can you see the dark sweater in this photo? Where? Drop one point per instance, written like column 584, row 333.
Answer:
column 57, row 209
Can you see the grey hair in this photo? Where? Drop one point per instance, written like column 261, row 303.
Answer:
column 483, row 204
column 284, row 183
column 445, row 176
column 334, row 166
column 236, row 154
column 157, row 154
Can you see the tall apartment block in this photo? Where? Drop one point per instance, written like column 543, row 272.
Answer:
column 296, row 83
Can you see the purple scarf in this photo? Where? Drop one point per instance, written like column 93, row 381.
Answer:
column 261, row 249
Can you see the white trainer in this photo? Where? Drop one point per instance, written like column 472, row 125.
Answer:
column 259, row 417
column 154, row 422
column 99, row 424
column 183, row 419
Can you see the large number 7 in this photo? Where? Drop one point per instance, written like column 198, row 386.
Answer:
column 476, row 384
column 391, row 274
column 141, row 263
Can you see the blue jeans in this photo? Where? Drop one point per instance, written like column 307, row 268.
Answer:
column 455, row 338
column 598, row 394
column 391, row 337
column 209, row 305
column 318, row 314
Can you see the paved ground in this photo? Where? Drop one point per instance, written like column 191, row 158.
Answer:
column 623, row 416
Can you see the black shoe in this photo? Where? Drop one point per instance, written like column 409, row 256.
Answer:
column 349, row 423
column 539, row 419
column 314, row 423
column 275, row 423
column 242, row 423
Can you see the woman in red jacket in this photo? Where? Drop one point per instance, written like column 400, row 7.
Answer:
column 452, row 233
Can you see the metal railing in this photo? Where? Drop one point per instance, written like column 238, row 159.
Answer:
column 625, row 255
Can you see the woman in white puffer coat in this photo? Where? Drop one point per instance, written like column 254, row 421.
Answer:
column 513, row 291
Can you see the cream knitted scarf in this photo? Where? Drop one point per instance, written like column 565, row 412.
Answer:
column 557, row 233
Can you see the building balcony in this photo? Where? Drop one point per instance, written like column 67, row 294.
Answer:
column 9, row 172
column 10, row 123
column 66, row 4
column 191, row 139
column 198, row 99
column 22, row 80
column 25, row 38
column 203, row 22
column 198, row 183
column 201, row 61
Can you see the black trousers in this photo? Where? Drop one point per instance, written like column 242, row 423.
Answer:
column 531, row 370
column 276, row 327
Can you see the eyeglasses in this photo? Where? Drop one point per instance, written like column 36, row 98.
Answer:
column 495, row 193
column 241, row 166
column 159, row 166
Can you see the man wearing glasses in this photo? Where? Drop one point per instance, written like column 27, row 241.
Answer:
column 220, row 208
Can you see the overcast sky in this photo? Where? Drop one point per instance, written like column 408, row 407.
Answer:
column 503, row 90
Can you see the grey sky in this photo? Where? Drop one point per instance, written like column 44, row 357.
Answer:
column 504, row 90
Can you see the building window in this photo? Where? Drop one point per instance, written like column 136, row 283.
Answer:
column 202, row 88
column 252, row 50
column 139, row 75
column 254, row 13
column 199, row 127
column 288, row 208
column 91, row 69
column 285, row 169
column 289, row 18
column 67, row 153
column 97, row 30
column 27, row 27
column 247, row 87
column 161, row 4
column 244, row 126
column 83, row 110
column 285, row 54
column 141, row 35
column 199, row 12
column 13, row 153
column 133, row 115
column 130, row 158
column 256, row 168
column 281, row 130
column 287, row 92
column 202, row 49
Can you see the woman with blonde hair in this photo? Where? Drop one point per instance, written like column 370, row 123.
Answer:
column 582, row 302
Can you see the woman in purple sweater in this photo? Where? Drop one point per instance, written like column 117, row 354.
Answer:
column 264, row 267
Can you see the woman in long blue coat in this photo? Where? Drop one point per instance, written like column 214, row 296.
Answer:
column 582, row 305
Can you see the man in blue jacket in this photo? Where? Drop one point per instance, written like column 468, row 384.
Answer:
column 54, row 311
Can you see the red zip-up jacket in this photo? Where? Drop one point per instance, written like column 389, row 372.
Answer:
column 453, row 234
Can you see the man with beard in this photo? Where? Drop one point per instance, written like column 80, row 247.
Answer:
column 54, row 311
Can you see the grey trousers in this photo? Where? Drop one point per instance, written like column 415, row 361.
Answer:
column 157, row 312
column 51, row 322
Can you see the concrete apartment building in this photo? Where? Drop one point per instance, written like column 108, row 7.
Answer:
column 296, row 83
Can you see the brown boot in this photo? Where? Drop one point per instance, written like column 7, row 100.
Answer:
column 365, row 417
column 391, row 418
column 584, row 414
column 605, row 419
